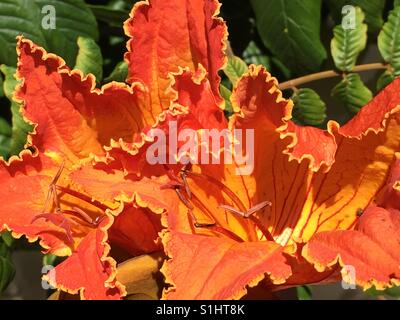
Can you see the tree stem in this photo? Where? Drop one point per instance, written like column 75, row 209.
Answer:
column 328, row 74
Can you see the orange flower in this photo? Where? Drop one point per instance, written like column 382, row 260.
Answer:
column 333, row 194
column 74, row 121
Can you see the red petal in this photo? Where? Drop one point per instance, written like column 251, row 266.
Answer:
column 166, row 35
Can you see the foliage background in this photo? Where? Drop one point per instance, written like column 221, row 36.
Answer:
column 291, row 38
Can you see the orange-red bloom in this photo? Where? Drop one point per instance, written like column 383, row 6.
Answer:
column 316, row 200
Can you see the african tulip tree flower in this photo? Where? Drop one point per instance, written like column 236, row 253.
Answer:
column 316, row 199
column 337, row 203
column 73, row 120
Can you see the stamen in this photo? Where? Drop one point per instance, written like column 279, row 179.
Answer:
column 183, row 199
column 249, row 215
column 83, row 197
column 58, row 220
column 79, row 213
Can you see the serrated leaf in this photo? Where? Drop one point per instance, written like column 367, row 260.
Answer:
column 226, row 94
column 352, row 92
column 308, row 108
column 389, row 40
column 235, row 68
column 304, row 293
column 347, row 44
column 89, row 58
column 119, row 74
column 290, row 29
column 373, row 10
column 20, row 128
column 72, row 19
column 385, row 78
column 253, row 55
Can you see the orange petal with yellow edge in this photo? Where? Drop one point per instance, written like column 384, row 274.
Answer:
column 371, row 252
column 166, row 35
column 73, row 118
column 89, row 269
column 203, row 267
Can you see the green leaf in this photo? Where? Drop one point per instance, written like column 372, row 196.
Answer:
column 291, row 30
column 89, row 59
column 308, row 108
column 373, row 10
column 49, row 259
column 226, row 94
column 347, row 44
column 352, row 92
column 396, row 3
column 386, row 78
column 253, row 55
column 393, row 292
column 5, row 138
column 119, row 74
column 7, row 270
column 389, row 40
column 114, row 17
column 7, row 238
column 1, row 86
column 20, row 128
column 235, row 68
column 72, row 19
column 304, row 293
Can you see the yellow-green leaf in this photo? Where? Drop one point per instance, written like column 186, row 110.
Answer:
column 89, row 58
column 347, row 44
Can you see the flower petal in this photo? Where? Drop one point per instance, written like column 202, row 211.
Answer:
column 373, row 248
column 204, row 267
column 74, row 118
column 135, row 230
column 88, row 269
column 166, row 35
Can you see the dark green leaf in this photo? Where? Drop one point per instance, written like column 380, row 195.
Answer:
column 308, row 108
column 114, row 17
column 89, row 59
column 1, row 86
column 304, row 293
column 119, row 74
column 348, row 43
column 20, row 128
column 373, row 10
column 5, row 138
column 235, row 68
column 352, row 92
column 291, row 30
column 389, row 40
column 253, row 55
column 396, row 3
column 385, row 78
column 7, row 270
column 73, row 19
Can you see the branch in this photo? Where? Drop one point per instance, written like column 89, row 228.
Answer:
column 328, row 74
